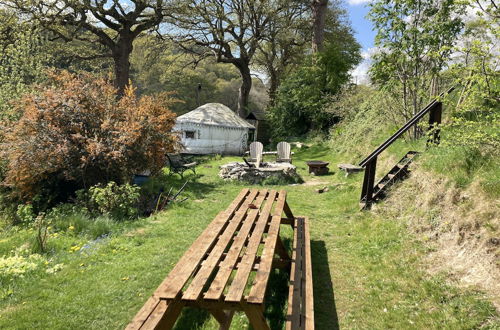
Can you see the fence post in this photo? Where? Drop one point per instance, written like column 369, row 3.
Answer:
column 368, row 182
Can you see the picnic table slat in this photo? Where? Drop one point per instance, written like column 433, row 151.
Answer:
column 183, row 270
column 164, row 315
column 202, row 276
column 259, row 286
column 258, row 290
column 218, row 284
column 293, row 313
column 143, row 314
column 238, row 284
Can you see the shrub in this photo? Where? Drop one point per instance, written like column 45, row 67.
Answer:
column 75, row 133
column 116, row 201
column 300, row 102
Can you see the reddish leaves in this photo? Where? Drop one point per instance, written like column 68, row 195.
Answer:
column 74, row 129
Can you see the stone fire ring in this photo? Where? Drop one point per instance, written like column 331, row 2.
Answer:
column 240, row 171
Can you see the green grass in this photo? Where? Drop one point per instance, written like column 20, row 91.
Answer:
column 368, row 270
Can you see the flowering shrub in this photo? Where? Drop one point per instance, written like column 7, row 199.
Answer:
column 74, row 133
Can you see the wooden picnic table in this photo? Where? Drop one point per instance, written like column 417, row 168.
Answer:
column 214, row 272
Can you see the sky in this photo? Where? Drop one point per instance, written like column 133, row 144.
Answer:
column 358, row 9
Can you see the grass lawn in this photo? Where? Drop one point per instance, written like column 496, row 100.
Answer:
column 368, row 270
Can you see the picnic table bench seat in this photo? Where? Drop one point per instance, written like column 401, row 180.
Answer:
column 214, row 272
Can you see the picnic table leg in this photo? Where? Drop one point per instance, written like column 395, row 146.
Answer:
column 281, row 250
column 255, row 314
column 223, row 317
column 287, row 211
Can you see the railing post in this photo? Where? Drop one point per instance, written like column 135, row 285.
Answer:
column 434, row 122
column 368, row 182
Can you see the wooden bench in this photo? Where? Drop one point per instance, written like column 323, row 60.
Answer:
column 349, row 168
column 214, row 272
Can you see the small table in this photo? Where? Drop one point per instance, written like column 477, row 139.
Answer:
column 318, row 167
column 228, row 246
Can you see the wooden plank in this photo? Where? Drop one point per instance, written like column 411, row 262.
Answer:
column 183, row 270
column 280, row 205
column 164, row 315
column 200, row 279
column 258, row 290
column 309, row 299
column 216, row 289
column 294, row 294
column 235, row 292
column 143, row 313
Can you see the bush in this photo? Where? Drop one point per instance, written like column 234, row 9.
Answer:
column 116, row 201
column 300, row 102
column 75, row 133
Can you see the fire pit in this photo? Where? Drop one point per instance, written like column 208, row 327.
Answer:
column 318, row 167
column 241, row 171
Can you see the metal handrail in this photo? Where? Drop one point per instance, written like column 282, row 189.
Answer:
column 403, row 129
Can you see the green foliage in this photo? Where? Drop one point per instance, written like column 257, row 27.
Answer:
column 116, row 201
column 22, row 61
column 415, row 41
column 25, row 213
column 302, row 96
column 368, row 117
column 475, row 122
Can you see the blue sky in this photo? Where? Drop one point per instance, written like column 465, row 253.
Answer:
column 358, row 9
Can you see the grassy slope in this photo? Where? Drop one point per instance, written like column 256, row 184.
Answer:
column 367, row 269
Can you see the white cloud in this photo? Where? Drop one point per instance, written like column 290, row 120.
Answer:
column 357, row 2
column 360, row 73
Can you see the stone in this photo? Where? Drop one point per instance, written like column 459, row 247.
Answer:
column 240, row 171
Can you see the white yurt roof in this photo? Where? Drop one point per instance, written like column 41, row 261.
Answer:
column 214, row 114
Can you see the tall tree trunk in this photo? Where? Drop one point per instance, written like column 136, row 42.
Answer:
column 319, row 8
column 121, row 58
column 246, row 85
column 273, row 86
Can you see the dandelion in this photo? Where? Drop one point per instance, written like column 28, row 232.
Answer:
column 125, row 278
column 71, row 227
column 74, row 248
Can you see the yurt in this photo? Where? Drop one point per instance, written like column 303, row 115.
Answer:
column 213, row 128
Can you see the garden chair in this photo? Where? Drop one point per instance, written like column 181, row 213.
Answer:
column 178, row 165
column 256, row 152
column 284, row 154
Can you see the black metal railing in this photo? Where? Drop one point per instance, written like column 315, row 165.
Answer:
column 435, row 109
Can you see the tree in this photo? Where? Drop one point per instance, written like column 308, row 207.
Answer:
column 319, row 9
column 415, row 39
column 229, row 30
column 283, row 46
column 475, row 120
column 301, row 99
column 22, row 60
column 162, row 66
column 114, row 25
column 75, row 133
